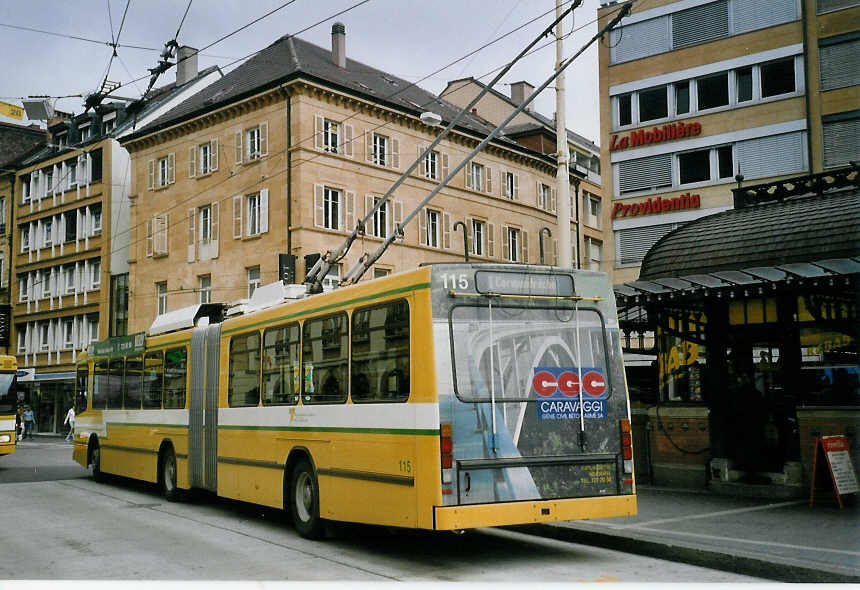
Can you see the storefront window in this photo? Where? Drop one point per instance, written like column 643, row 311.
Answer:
column 682, row 356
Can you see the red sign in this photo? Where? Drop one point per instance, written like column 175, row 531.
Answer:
column 656, row 205
column 594, row 384
column 544, row 383
column 655, row 135
column 568, row 382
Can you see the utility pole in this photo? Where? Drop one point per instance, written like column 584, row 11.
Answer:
column 562, row 151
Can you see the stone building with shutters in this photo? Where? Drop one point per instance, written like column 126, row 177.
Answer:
column 69, row 247
column 696, row 92
column 250, row 180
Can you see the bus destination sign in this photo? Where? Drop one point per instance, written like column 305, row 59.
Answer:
column 512, row 283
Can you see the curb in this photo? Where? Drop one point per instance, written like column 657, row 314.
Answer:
column 775, row 570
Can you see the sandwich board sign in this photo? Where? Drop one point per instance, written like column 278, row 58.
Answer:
column 836, row 459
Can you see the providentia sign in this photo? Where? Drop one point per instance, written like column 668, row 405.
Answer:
column 656, row 205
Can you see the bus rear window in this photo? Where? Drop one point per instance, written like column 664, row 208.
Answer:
column 536, row 353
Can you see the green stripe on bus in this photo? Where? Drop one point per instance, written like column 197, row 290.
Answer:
column 289, row 316
column 345, row 429
column 147, row 425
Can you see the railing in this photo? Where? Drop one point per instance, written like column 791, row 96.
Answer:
column 812, row 184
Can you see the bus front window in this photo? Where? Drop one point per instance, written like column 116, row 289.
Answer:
column 7, row 392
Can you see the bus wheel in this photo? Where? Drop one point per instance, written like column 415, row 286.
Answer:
column 168, row 476
column 96, row 462
column 305, row 504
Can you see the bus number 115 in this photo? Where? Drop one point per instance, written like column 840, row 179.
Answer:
column 455, row 281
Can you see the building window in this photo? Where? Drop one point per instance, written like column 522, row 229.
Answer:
column 161, row 297
column 109, row 125
column 253, row 142
column 593, row 249
column 252, row 210
column 331, row 208
column 205, row 216
column 205, row 289
column 69, row 277
column 432, row 221
column 744, row 83
column 25, row 189
column 725, row 163
column 25, row 238
column 543, row 200
column 625, row 110
column 44, row 336
column 713, row 91
column 478, row 237
column 378, row 272
column 22, row 338
column 653, row 104
column 380, row 219
column 205, row 158
column 705, row 165
column 380, row 150
column 85, row 132
column 682, row 97
column 163, row 171
column 23, row 295
column 477, row 177
column 777, row 77
column 431, row 165
column 47, row 233
column 95, row 274
column 96, row 215
column 331, row 136
column 513, row 244
column 73, row 174
column 253, row 280
column 592, row 209
column 68, row 333
column 94, row 328
column 511, row 187
column 332, row 278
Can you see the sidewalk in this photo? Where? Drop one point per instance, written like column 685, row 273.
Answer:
column 778, row 540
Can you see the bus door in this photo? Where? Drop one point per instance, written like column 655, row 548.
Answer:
column 203, row 436
column 520, row 428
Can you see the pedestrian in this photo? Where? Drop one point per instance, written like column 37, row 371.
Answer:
column 19, row 423
column 29, row 421
column 70, row 420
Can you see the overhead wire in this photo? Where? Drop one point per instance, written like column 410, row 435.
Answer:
column 253, row 185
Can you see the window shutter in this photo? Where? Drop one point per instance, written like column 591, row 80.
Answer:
column 537, row 194
column 634, row 243
column 648, row 173
column 641, row 39
column 348, row 134
column 700, row 24
column 491, row 240
column 264, row 139
column 395, row 153
column 421, row 149
column 237, row 217
column 840, row 142
column 750, row 15
column 213, row 155
column 446, row 231
column 148, row 251
column 368, row 145
column 839, row 64
column 771, row 156
column 171, row 168
column 368, row 207
column 444, row 164
column 398, row 214
column 489, row 179
column 422, row 227
column 237, row 144
column 264, row 210
column 213, row 242
column 151, row 172
column 349, row 222
column 525, row 246
column 469, row 247
column 192, row 161
column 516, row 194
column 319, row 130
column 161, row 234
column 555, row 252
column 468, row 172
column 553, row 198
column 192, row 218
column 318, row 205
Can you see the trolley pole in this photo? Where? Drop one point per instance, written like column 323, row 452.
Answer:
column 562, row 149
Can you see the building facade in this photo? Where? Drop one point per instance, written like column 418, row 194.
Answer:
column 695, row 93
column 537, row 132
column 69, row 250
column 285, row 155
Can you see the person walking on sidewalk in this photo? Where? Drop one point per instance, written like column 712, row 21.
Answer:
column 70, row 420
column 29, row 421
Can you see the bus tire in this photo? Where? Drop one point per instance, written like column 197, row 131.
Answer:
column 96, row 462
column 305, row 501
column 167, row 475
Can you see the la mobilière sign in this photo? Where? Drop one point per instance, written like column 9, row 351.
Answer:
column 642, row 137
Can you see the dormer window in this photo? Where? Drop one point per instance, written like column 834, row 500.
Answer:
column 109, row 125
column 62, row 140
column 85, row 131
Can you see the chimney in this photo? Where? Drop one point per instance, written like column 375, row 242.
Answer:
column 520, row 91
column 338, row 45
column 186, row 65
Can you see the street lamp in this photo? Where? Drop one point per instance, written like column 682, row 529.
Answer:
column 540, row 240
column 465, row 239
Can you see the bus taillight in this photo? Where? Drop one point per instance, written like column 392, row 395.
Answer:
column 627, row 446
column 446, row 446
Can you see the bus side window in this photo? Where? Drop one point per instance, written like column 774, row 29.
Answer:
column 153, row 380
column 132, row 383
column 175, row 371
column 325, row 349
column 244, row 384
column 280, row 364
column 81, row 385
column 114, row 389
column 380, row 353
column 100, row 383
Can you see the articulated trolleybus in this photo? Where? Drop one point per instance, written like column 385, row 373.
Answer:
column 8, row 404
column 449, row 397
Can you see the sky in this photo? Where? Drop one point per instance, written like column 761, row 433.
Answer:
column 411, row 39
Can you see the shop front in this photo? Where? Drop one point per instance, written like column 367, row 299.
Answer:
column 754, row 316
column 49, row 395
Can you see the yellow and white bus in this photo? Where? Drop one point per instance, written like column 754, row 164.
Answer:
column 442, row 398
column 8, row 404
